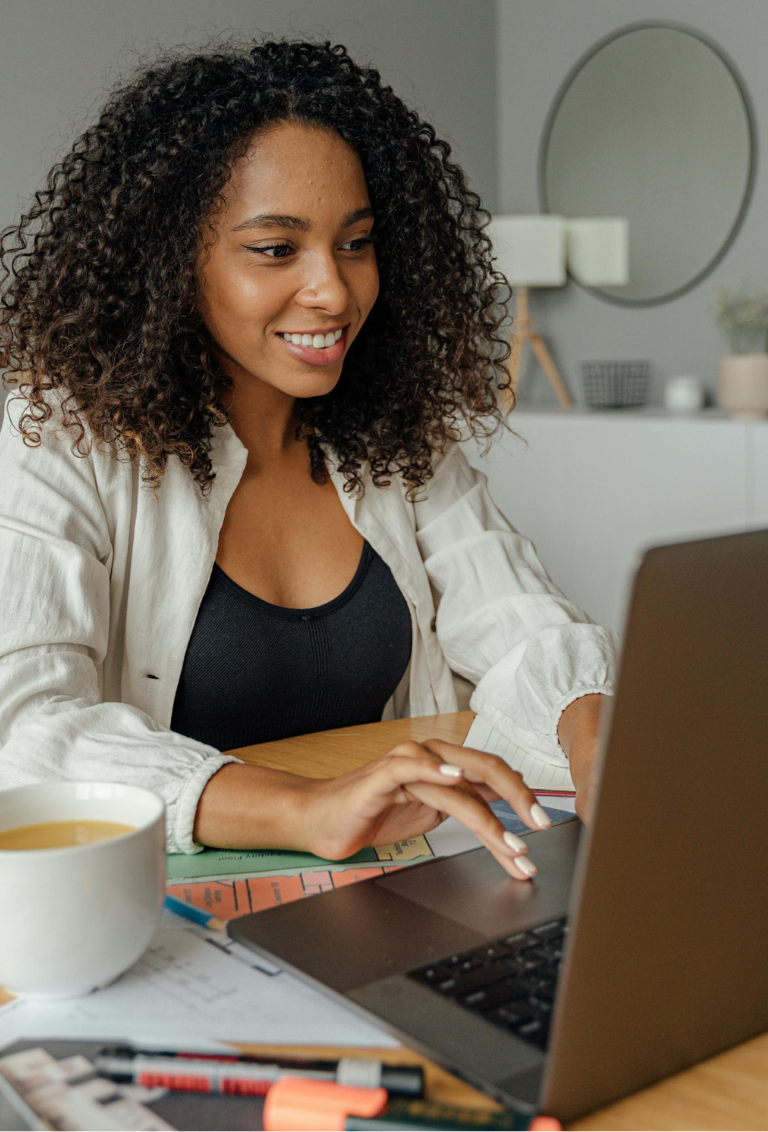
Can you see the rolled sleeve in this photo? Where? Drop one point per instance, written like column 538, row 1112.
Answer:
column 526, row 692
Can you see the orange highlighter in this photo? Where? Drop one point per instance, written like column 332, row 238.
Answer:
column 296, row 1104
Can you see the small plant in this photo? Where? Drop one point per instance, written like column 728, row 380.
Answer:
column 741, row 315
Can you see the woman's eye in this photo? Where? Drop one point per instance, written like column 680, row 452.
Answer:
column 361, row 242
column 364, row 240
column 272, row 251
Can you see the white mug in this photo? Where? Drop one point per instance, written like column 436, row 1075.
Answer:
column 73, row 919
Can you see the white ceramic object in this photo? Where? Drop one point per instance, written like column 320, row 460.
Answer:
column 684, row 394
column 742, row 386
column 73, row 919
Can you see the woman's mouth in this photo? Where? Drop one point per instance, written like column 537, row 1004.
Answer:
column 316, row 349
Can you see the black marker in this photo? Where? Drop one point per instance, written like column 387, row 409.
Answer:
column 247, row 1074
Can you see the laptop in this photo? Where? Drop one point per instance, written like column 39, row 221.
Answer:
column 642, row 945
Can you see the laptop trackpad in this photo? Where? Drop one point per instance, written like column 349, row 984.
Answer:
column 473, row 889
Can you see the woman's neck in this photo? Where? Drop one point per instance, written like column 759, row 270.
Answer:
column 264, row 419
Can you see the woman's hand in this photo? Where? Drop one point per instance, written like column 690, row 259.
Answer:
column 578, row 731
column 411, row 790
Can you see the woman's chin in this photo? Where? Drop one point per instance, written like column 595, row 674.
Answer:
column 316, row 383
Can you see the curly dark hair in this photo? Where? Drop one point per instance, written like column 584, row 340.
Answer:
column 99, row 290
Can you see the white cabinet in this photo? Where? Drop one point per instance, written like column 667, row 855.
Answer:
column 593, row 489
column 758, row 475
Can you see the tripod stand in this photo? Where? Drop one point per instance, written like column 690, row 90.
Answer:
column 522, row 332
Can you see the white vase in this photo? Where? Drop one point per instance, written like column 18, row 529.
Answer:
column 742, row 386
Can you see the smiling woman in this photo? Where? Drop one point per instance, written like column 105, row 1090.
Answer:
column 246, row 320
column 296, row 286
column 106, row 308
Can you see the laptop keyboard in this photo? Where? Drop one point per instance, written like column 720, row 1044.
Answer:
column 511, row 982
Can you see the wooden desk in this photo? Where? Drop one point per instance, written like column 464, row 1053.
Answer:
column 728, row 1091
column 328, row 753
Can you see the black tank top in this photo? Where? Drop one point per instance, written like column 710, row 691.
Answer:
column 254, row 672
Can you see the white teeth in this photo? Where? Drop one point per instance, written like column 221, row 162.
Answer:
column 318, row 341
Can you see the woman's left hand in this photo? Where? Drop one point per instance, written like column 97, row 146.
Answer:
column 578, row 731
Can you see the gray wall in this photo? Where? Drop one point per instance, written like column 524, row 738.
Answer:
column 538, row 42
column 58, row 56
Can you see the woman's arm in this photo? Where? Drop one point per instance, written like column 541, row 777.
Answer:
column 404, row 793
column 55, row 565
column 501, row 621
column 578, row 732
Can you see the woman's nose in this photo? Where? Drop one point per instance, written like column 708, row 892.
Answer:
column 324, row 286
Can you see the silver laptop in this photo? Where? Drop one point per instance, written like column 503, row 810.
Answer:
column 642, row 946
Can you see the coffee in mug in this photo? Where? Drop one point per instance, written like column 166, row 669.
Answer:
column 77, row 914
column 59, row 834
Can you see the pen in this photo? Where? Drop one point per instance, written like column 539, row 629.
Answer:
column 249, row 1075
column 298, row 1105
column 190, row 912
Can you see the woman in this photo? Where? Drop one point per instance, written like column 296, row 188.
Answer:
column 245, row 321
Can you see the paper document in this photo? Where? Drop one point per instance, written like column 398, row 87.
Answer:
column 537, row 772
column 196, row 984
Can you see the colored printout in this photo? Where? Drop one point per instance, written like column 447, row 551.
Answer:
column 230, row 898
column 226, row 862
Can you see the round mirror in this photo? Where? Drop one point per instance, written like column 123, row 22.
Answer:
column 653, row 125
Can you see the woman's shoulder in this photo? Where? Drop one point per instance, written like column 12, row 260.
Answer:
column 452, row 478
column 50, row 429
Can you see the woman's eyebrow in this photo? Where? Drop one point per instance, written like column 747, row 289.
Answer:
column 296, row 223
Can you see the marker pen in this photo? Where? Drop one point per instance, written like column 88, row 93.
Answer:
column 306, row 1106
column 249, row 1075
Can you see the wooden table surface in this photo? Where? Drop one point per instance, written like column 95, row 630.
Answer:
column 729, row 1091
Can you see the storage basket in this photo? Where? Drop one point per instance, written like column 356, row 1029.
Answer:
column 616, row 385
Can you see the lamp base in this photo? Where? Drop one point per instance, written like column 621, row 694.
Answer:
column 522, row 332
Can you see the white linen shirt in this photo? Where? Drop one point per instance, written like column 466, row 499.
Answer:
column 101, row 580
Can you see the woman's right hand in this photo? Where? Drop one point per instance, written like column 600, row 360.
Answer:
column 406, row 792
column 411, row 790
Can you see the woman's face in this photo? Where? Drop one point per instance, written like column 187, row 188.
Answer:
column 292, row 264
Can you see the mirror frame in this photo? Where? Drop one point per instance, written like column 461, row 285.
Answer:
column 562, row 93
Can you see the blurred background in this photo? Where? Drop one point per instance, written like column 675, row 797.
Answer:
column 648, row 112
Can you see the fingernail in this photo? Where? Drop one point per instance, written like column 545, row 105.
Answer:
column 540, row 816
column 526, row 866
column 450, row 770
column 513, row 842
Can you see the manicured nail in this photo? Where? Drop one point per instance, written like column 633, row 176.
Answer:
column 515, row 843
column 451, row 771
column 526, row 866
column 540, row 816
